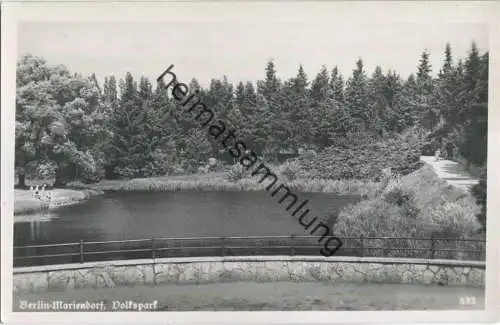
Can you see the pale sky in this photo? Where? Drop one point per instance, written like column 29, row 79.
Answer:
column 206, row 50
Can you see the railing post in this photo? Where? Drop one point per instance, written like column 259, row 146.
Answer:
column 432, row 247
column 292, row 243
column 222, row 247
column 81, row 251
column 153, row 255
column 361, row 253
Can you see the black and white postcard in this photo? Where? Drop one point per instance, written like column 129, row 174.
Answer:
column 294, row 162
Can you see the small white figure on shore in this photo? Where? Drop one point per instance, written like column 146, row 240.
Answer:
column 39, row 193
column 437, row 155
column 36, row 192
column 203, row 169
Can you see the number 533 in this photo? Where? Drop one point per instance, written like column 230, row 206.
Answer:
column 467, row 300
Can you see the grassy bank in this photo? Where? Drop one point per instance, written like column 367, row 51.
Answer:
column 26, row 203
column 219, row 182
column 416, row 205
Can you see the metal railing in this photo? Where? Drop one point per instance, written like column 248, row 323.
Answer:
column 91, row 251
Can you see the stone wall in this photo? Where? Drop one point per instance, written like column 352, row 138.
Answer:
column 256, row 268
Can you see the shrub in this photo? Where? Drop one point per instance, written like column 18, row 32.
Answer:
column 375, row 218
column 236, row 173
column 453, row 219
column 46, row 170
column 159, row 164
column 191, row 166
column 414, row 205
column 366, row 159
column 290, row 170
column 479, row 191
column 396, row 194
column 429, row 147
column 213, row 165
column 177, row 169
column 93, row 175
column 125, row 172
column 391, row 212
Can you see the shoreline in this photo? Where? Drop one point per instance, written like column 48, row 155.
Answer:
column 26, row 204
column 77, row 192
column 216, row 182
column 74, row 193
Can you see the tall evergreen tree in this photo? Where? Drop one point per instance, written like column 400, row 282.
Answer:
column 320, row 86
column 424, row 79
column 356, row 97
column 406, row 114
column 269, row 88
column 427, row 114
column 297, row 104
column 393, row 117
column 299, row 84
column 448, row 61
column 446, row 94
column 337, row 85
column 378, row 102
column 240, row 95
column 476, row 110
column 128, row 130
column 472, row 70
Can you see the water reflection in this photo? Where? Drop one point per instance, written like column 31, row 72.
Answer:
column 35, row 226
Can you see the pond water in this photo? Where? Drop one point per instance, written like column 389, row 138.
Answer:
column 125, row 216
column 120, row 216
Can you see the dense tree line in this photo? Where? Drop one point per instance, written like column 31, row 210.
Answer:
column 70, row 128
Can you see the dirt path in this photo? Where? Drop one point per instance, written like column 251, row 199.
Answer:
column 451, row 172
column 253, row 296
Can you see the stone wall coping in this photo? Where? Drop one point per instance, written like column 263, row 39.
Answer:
column 310, row 259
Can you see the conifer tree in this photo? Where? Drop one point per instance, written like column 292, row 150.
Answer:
column 296, row 102
column 475, row 114
column 299, row 84
column 378, row 102
column 337, row 85
column 448, row 61
column 240, row 95
column 356, row 97
column 269, row 88
column 320, row 86
column 426, row 114
column 128, row 129
column 392, row 117
column 406, row 114
column 250, row 95
column 446, row 94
